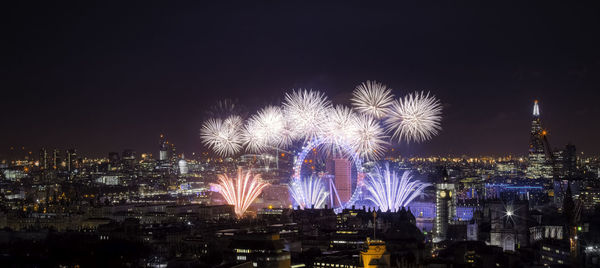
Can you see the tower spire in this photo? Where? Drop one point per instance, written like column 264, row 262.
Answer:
column 536, row 108
column 540, row 155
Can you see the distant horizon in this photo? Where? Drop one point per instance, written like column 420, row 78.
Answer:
column 404, row 148
column 188, row 154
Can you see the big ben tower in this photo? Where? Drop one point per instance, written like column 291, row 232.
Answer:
column 445, row 209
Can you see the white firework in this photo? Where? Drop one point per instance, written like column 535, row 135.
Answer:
column 337, row 130
column 368, row 138
column 391, row 192
column 252, row 138
column 235, row 123
column 308, row 192
column 222, row 136
column 306, row 111
column 308, row 115
column 266, row 130
column 372, row 98
column 415, row 118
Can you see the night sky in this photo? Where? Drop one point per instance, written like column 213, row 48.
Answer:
column 112, row 76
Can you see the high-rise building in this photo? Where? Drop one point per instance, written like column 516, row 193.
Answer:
column 71, row 159
column 163, row 153
column 173, row 154
column 540, row 155
column 56, row 159
column 183, row 168
column 113, row 158
column 128, row 154
column 565, row 162
column 559, row 167
column 43, row 159
column 343, row 178
column 570, row 161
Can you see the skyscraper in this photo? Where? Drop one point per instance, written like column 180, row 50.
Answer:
column 570, row 161
column 540, row 155
column 43, row 159
column 163, row 153
column 343, row 178
column 71, row 159
column 565, row 162
column 56, row 158
column 183, row 168
column 128, row 154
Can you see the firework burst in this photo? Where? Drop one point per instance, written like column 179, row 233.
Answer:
column 415, row 118
column 222, row 136
column 337, row 130
column 306, row 110
column 372, row 98
column 306, row 115
column 266, row 129
column 391, row 192
column 240, row 191
column 368, row 138
column 308, row 192
column 252, row 139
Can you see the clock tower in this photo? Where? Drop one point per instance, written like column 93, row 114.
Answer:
column 444, row 207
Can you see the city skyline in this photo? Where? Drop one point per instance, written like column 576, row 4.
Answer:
column 84, row 97
column 17, row 152
column 295, row 134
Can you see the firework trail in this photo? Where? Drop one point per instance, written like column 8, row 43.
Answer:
column 240, row 191
column 225, row 108
column 308, row 192
column 391, row 192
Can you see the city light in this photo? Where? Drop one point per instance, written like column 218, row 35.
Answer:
column 300, row 134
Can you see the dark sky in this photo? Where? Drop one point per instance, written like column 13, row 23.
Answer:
column 109, row 76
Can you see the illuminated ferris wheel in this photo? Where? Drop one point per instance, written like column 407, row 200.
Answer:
column 310, row 191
